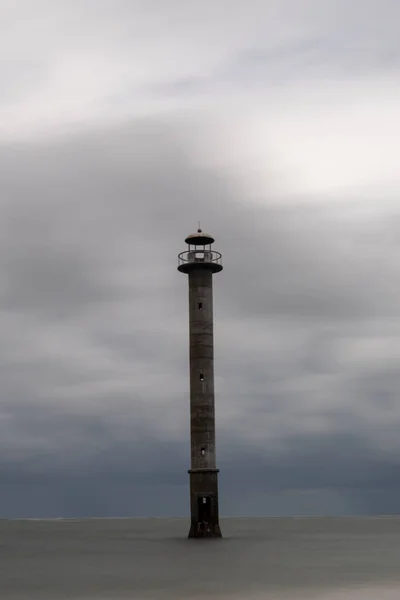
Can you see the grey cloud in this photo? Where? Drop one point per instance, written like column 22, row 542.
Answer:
column 335, row 44
column 46, row 279
column 95, row 338
column 348, row 52
column 93, row 351
column 284, row 41
column 339, row 471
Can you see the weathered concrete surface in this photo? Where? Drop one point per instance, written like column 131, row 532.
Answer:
column 203, row 473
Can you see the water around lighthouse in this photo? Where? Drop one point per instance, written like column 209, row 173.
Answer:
column 328, row 559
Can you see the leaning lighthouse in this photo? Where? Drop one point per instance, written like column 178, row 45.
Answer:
column 200, row 262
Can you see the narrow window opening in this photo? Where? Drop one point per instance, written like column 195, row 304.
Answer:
column 200, row 306
column 203, row 451
column 201, row 377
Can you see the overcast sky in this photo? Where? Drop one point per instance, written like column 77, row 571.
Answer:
column 277, row 125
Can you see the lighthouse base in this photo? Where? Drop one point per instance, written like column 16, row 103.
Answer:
column 204, row 530
column 204, row 504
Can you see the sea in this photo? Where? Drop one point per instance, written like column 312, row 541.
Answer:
column 152, row 559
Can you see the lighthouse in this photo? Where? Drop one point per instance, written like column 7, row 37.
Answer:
column 200, row 263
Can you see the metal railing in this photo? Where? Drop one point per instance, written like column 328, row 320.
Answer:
column 200, row 256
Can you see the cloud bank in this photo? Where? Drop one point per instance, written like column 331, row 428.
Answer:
column 279, row 134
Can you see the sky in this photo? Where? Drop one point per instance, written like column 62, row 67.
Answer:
column 276, row 124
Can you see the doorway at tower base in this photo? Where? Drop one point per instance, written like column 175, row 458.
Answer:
column 202, row 529
column 204, row 523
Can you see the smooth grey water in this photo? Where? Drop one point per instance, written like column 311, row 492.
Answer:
column 152, row 559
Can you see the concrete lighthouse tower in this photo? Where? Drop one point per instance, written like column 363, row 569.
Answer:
column 199, row 262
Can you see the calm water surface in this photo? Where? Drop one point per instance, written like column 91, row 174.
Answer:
column 152, row 559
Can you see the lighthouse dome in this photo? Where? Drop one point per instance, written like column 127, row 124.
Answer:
column 199, row 239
